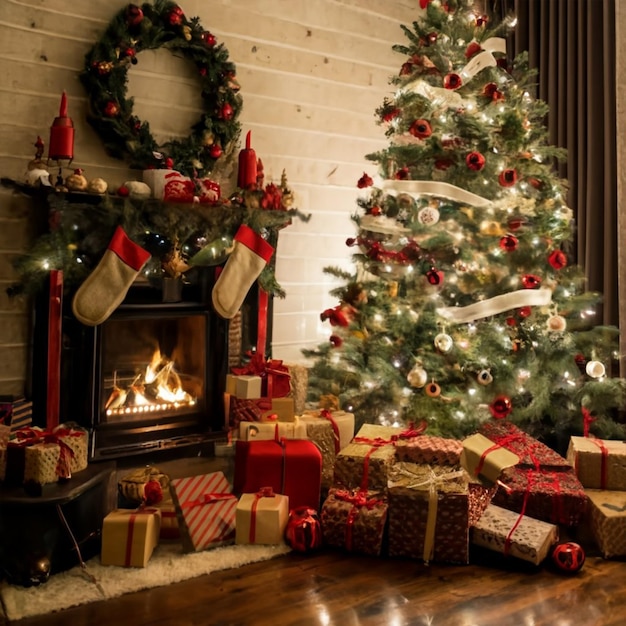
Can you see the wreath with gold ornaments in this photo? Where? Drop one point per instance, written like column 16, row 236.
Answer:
column 152, row 26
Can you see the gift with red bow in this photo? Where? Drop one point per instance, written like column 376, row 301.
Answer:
column 274, row 374
column 261, row 517
column 206, row 507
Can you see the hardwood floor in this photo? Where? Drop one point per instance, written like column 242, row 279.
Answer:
column 334, row 588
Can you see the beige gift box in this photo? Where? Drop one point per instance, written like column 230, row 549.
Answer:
column 129, row 536
column 607, row 521
column 482, row 457
column 261, row 518
column 598, row 463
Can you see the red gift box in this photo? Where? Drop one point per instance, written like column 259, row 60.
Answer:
column 206, row 509
column 291, row 467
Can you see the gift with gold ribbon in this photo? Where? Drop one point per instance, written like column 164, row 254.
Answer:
column 354, row 520
column 429, row 513
column 206, row 507
column 129, row 536
column 261, row 517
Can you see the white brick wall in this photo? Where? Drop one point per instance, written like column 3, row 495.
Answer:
column 311, row 72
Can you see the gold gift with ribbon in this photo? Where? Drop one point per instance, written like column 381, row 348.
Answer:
column 482, row 458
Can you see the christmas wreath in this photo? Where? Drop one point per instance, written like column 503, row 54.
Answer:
column 162, row 24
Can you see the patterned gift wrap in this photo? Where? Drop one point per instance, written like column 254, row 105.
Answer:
column 598, row 463
column 260, row 410
column 354, row 520
column 321, row 433
column 481, row 458
column 261, row 517
column 531, row 452
column 205, row 506
column 555, row 497
column 130, row 536
column 342, row 423
column 510, row 534
column 428, row 513
column 299, row 383
column 366, row 461
column 607, row 521
column 430, row 450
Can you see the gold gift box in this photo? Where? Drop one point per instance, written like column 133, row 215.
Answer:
column 599, row 463
column 607, row 521
column 269, row 515
column 482, row 457
column 129, row 536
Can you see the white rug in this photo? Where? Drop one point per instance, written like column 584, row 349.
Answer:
column 167, row 565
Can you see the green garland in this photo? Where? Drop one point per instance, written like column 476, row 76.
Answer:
column 150, row 27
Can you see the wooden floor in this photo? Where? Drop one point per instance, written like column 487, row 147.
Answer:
column 333, row 588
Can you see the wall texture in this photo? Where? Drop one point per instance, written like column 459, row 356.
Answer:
column 311, row 73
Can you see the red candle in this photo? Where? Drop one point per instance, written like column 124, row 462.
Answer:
column 61, row 146
column 246, row 176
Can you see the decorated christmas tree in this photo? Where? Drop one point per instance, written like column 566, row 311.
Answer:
column 465, row 303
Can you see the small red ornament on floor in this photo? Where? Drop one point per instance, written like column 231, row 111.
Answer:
column 569, row 557
column 304, row 532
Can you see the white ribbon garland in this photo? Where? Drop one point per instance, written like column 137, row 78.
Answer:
column 419, row 188
column 497, row 304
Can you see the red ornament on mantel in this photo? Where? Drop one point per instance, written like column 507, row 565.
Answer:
column 61, row 146
column 247, row 173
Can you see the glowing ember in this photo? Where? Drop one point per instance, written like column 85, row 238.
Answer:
column 158, row 389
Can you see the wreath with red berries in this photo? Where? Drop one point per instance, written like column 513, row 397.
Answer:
column 161, row 24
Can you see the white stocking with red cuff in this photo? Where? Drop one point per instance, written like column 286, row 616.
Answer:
column 105, row 288
column 250, row 255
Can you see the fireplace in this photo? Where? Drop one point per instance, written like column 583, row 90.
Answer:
column 149, row 378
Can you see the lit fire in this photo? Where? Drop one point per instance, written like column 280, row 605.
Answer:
column 159, row 388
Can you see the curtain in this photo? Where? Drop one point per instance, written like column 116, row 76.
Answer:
column 572, row 45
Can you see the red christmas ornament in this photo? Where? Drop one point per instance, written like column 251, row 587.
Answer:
column 169, row 163
column 482, row 20
column 111, row 109
column 535, row 183
column 472, row 49
column 175, row 16
column 209, row 38
column 304, row 530
column 475, row 161
column 511, row 321
column 500, row 407
column 569, row 557
column 434, row 276
column 509, row 243
column 524, row 312
column 530, row 281
column 226, row 112
column 421, row 129
column 443, row 164
column 134, row 15
column 365, row 181
column 402, row 174
column 335, row 341
column 508, row 178
column 491, row 91
column 390, row 114
column 123, row 191
column 431, row 38
column 557, row 259
column 350, row 241
column 433, row 390
column 452, row 81
column 215, row 151
column 406, row 69
column 375, row 210
column 152, row 492
column 515, row 223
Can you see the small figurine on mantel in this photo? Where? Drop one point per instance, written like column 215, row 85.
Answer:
column 76, row 181
column 37, row 172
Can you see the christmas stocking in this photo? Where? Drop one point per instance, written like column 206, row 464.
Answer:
column 250, row 255
column 107, row 285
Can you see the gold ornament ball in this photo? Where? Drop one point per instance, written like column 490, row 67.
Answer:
column 557, row 323
column 417, row 377
column 595, row 369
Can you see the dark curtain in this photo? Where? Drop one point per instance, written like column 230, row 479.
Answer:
column 572, row 45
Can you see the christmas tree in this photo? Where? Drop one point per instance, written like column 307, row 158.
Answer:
column 465, row 303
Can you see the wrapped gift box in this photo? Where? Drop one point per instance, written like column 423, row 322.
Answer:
column 354, row 520
column 342, row 423
column 430, row 450
column 15, row 412
column 365, row 462
column 606, row 519
column 172, row 186
column 555, row 497
column 262, row 517
column 130, row 536
column 292, row 467
column 504, row 531
column 205, row 506
column 481, row 458
column 264, row 431
column 298, row 383
column 320, row 432
column 248, row 387
column 598, row 463
column 531, row 452
column 428, row 513
column 170, row 528
column 259, row 410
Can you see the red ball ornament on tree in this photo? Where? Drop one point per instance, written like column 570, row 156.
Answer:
column 569, row 557
column 209, row 38
column 111, row 109
column 390, row 114
column 434, row 276
column 421, row 129
column 531, row 281
column 508, row 178
column 215, row 151
column 509, row 243
column 472, row 49
column 475, row 161
column 175, row 16
column 557, row 259
column 500, row 407
column 452, row 81
column 304, row 531
column 226, row 112
column 134, row 15
column 524, row 312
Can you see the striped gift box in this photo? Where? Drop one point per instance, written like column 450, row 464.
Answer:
column 16, row 412
column 205, row 506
